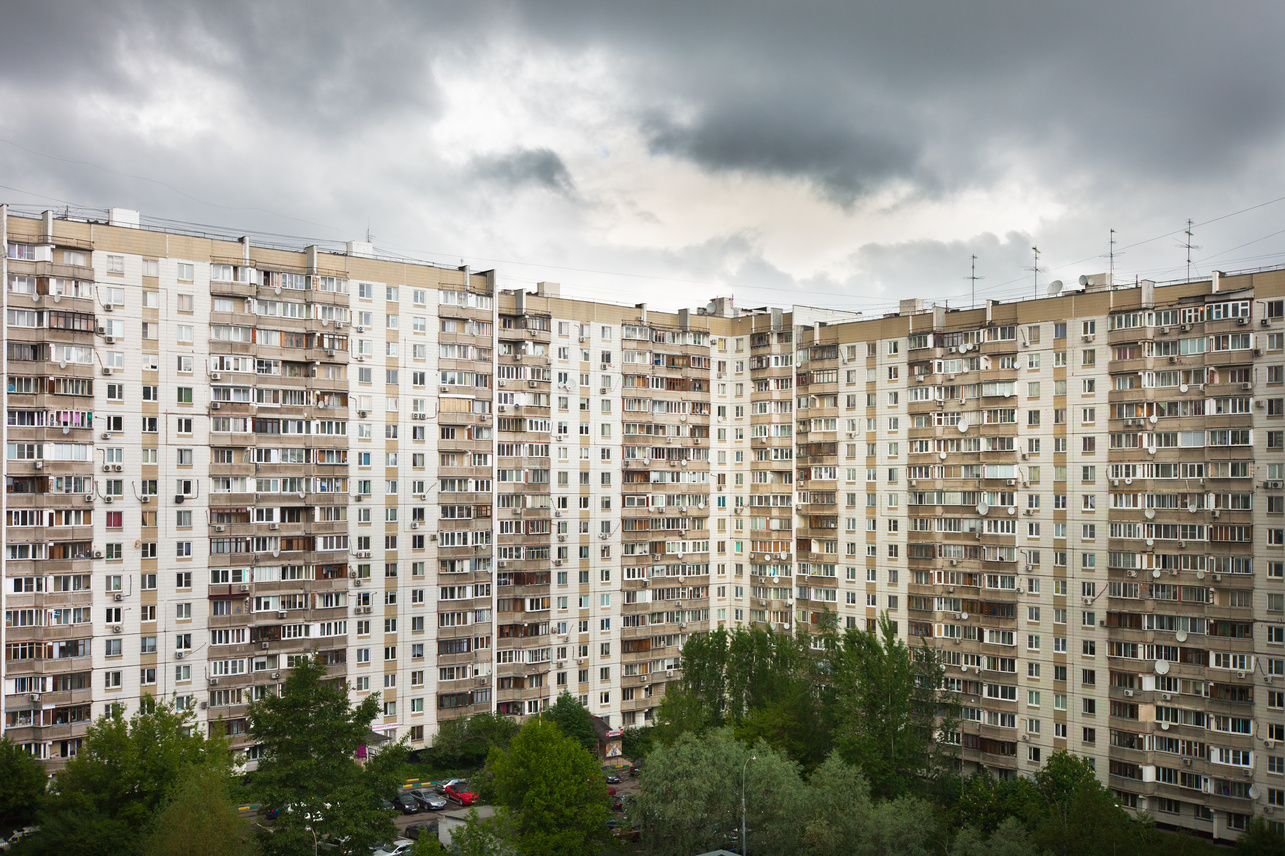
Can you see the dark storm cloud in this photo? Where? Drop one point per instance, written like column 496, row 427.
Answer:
column 853, row 97
column 540, row 168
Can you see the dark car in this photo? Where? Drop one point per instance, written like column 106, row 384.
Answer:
column 613, row 779
column 406, row 804
column 428, row 801
column 415, row 830
column 623, row 833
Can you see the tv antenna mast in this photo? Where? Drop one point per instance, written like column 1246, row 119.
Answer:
column 1036, row 270
column 973, row 277
column 1189, row 246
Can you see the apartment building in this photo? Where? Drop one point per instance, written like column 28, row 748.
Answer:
column 222, row 456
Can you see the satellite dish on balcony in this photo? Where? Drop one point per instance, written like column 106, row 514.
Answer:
column 1162, row 667
column 1150, row 514
column 982, row 508
column 1055, row 287
column 1181, row 636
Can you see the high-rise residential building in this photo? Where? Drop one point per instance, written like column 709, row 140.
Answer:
column 222, row 456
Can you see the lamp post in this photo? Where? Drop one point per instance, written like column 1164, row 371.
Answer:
column 744, row 767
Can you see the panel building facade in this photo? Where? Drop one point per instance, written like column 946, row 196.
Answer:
column 220, row 457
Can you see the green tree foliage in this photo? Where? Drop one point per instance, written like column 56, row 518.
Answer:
column 109, row 793
column 768, row 686
column 466, row 742
column 552, row 793
column 1009, row 838
column 22, row 784
column 573, row 720
column 690, row 797
column 199, row 818
column 1259, row 839
column 691, row 802
column 309, row 737
column 1077, row 816
column 887, row 700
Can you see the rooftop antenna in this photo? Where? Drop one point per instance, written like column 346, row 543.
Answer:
column 973, row 277
column 370, row 239
column 1036, row 270
column 1189, row 246
column 1111, row 257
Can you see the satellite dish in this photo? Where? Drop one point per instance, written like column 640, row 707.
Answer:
column 963, row 668
column 710, row 307
column 1254, row 792
column 1200, row 575
column 1153, row 419
column 963, row 616
column 1012, row 509
column 982, row 508
column 965, row 348
column 942, row 456
column 1181, row 636
column 1055, row 287
column 1084, row 280
column 1192, row 508
column 1182, row 387
column 963, row 426
column 1151, row 542
column 1162, row 667
column 1150, row 514
column 1164, row 726
column 1155, row 575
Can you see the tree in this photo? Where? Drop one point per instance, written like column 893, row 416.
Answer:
column 114, row 786
column 468, row 741
column 552, row 792
column 1260, row 839
column 690, row 797
column 573, row 720
column 1009, row 839
column 887, row 701
column 1077, row 816
column 199, row 817
column 309, row 736
column 22, row 784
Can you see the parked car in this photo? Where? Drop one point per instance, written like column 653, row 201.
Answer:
column 428, row 800
column 459, row 792
column 387, row 804
column 416, row 830
column 446, row 783
column 400, row 847
column 611, row 791
column 406, row 804
column 624, row 833
column 613, row 779
column 618, row 803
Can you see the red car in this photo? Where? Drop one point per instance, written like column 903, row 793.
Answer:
column 460, row 793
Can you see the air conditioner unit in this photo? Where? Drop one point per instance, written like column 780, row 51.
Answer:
column 111, row 340
column 1128, row 693
column 1185, row 327
column 360, row 328
column 98, row 554
column 107, row 468
column 281, row 613
column 361, row 358
column 274, row 526
column 214, row 682
column 330, row 352
column 1164, row 331
column 1186, row 762
column 89, row 497
column 1246, row 386
column 1215, row 514
column 118, row 629
column 118, row 597
column 1241, row 322
column 603, row 391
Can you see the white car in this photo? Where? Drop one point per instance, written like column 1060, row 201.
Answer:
column 400, row 847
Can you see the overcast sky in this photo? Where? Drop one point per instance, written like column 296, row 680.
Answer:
column 840, row 154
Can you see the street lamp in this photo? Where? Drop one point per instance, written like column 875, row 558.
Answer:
column 744, row 767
